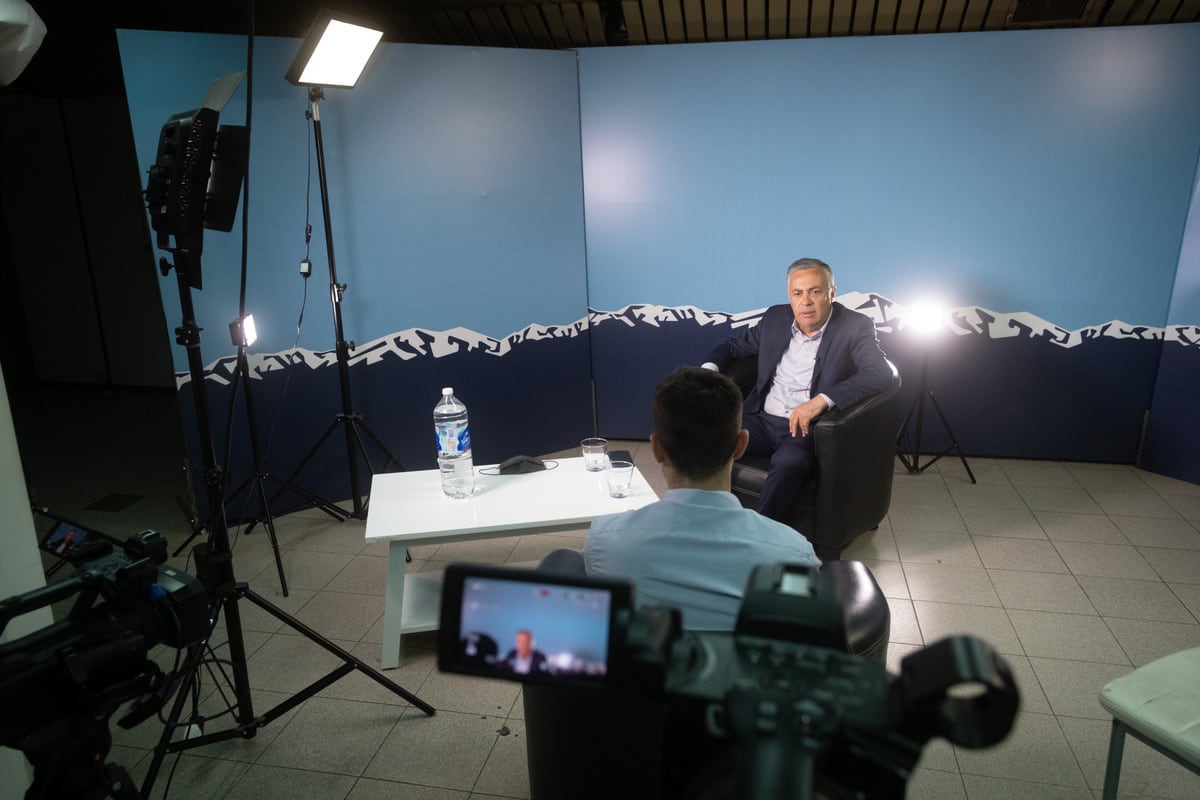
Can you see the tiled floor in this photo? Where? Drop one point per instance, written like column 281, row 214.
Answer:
column 1077, row 573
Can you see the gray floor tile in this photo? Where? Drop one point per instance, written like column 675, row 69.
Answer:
column 1154, row 532
column 1189, row 595
column 448, row 750
column 506, row 772
column 365, row 574
column 1174, row 566
column 938, row 755
column 267, row 781
column 372, row 789
column 1040, row 591
column 289, row 662
column 1013, row 523
column 1109, row 478
column 1075, row 501
column 1152, row 600
column 1049, row 474
column 1073, row 687
column 936, row 548
column 479, row 551
column 896, row 653
column 980, row 787
column 946, row 584
column 1186, row 506
column 986, row 495
column 1061, row 526
column 890, row 577
column 347, row 536
column 940, row 620
column 1067, row 636
column 985, row 470
column 905, row 629
column 1033, row 699
column 1105, row 560
column 1166, row 485
column 310, row 569
column 925, row 490
column 932, row 784
column 205, row 778
column 1035, row 749
column 1145, row 641
column 876, row 545
column 1134, row 504
column 346, row 617
column 945, row 519
column 468, row 694
column 330, row 735
column 1028, row 555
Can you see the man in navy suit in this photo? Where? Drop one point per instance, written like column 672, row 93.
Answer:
column 813, row 355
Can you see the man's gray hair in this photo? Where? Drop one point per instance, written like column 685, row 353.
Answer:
column 811, row 263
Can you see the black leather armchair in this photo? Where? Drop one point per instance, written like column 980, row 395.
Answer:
column 852, row 488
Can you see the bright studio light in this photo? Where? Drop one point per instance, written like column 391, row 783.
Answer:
column 927, row 318
column 334, row 53
column 243, row 332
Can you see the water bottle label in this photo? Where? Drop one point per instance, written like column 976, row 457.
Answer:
column 453, row 439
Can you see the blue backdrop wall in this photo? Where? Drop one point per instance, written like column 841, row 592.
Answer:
column 519, row 223
column 455, row 185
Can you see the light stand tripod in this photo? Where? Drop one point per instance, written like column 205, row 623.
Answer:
column 260, row 475
column 912, row 459
column 214, row 567
column 352, row 423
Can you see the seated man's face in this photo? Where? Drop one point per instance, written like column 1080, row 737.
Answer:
column 524, row 644
column 811, row 298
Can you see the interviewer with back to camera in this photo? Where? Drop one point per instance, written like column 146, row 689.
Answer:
column 813, row 355
column 695, row 547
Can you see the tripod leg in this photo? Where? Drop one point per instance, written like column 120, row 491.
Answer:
column 287, row 482
column 270, row 523
column 391, row 459
column 346, row 657
column 954, row 448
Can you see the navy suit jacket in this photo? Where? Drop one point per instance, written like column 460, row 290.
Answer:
column 850, row 365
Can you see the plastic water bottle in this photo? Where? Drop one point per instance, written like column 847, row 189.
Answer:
column 454, row 445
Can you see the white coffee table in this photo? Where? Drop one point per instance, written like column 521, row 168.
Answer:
column 409, row 509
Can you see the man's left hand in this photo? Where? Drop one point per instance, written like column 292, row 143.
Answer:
column 803, row 415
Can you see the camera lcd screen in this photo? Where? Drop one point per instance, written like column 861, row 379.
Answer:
column 64, row 539
column 521, row 625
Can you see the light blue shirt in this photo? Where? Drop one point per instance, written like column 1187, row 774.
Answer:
column 692, row 550
column 793, row 376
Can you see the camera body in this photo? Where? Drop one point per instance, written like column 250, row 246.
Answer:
column 769, row 710
column 60, row 684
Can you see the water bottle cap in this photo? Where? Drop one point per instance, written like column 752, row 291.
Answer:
column 448, row 390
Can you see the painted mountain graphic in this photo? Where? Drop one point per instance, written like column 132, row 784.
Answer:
column 890, row 317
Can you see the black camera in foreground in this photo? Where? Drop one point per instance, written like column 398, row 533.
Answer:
column 775, row 710
column 59, row 685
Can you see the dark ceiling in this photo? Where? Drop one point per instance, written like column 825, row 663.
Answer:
column 79, row 56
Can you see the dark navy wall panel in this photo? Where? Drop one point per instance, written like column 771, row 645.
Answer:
column 1172, row 444
column 455, row 183
column 1040, row 178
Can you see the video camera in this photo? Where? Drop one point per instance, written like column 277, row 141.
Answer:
column 770, row 711
column 59, row 685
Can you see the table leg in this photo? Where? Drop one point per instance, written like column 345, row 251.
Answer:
column 393, row 606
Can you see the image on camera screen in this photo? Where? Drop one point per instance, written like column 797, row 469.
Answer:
column 534, row 631
column 63, row 538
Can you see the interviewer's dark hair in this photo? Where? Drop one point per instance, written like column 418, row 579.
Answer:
column 697, row 416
